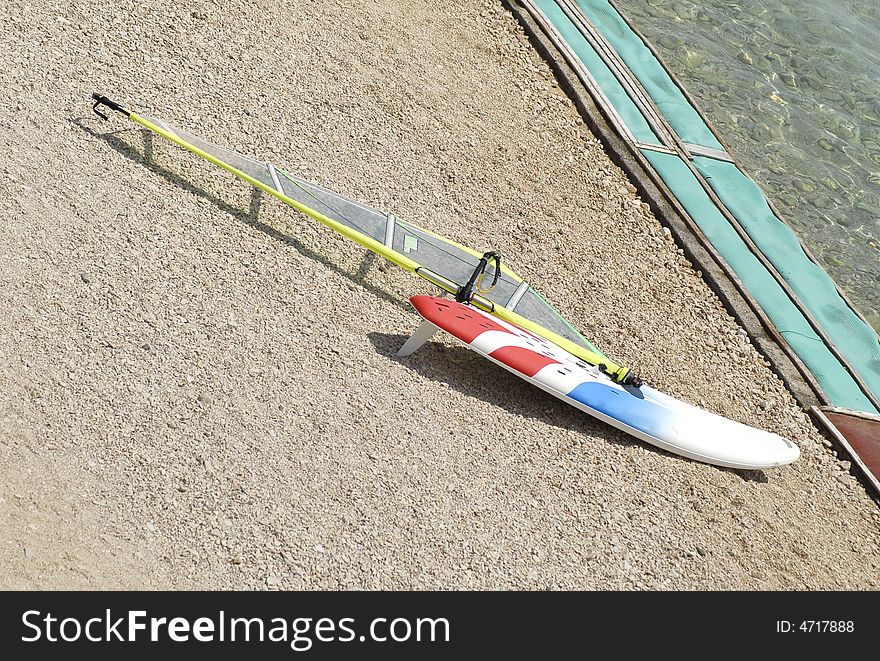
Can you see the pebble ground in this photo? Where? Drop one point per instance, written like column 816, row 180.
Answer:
column 199, row 387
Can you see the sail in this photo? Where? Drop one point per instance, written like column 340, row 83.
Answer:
column 435, row 258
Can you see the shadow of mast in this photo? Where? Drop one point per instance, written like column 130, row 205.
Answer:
column 249, row 217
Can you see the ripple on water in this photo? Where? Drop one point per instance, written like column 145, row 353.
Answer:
column 794, row 88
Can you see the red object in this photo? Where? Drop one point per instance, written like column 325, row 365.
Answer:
column 455, row 318
column 523, row 360
column 467, row 325
column 863, row 434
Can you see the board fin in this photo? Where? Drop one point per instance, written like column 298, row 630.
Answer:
column 422, row 334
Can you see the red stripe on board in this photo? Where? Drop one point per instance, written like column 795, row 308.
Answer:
column 523, row 360
column 460, row 320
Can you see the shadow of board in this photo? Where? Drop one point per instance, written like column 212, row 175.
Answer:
column 468, row 373
column 249, row 217
column 458, row 367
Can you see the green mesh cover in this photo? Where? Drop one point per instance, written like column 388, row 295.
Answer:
column 835, row 380
column 657, row 82
column 603, row 76
column 811, row 284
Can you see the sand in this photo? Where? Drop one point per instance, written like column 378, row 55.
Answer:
column 199, row 387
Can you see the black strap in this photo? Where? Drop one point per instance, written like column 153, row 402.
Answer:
column 465, row 293
column 101, row 100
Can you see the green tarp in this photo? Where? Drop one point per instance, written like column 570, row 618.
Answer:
column 811, row 285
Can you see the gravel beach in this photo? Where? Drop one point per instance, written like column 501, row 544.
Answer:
column 199, row 387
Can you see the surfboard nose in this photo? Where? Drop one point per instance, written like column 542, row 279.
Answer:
column 793, row 454
column 429, row 306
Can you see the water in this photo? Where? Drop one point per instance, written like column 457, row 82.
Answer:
column 793, row 86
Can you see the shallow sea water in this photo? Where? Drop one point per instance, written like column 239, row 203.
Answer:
column 793, row 86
